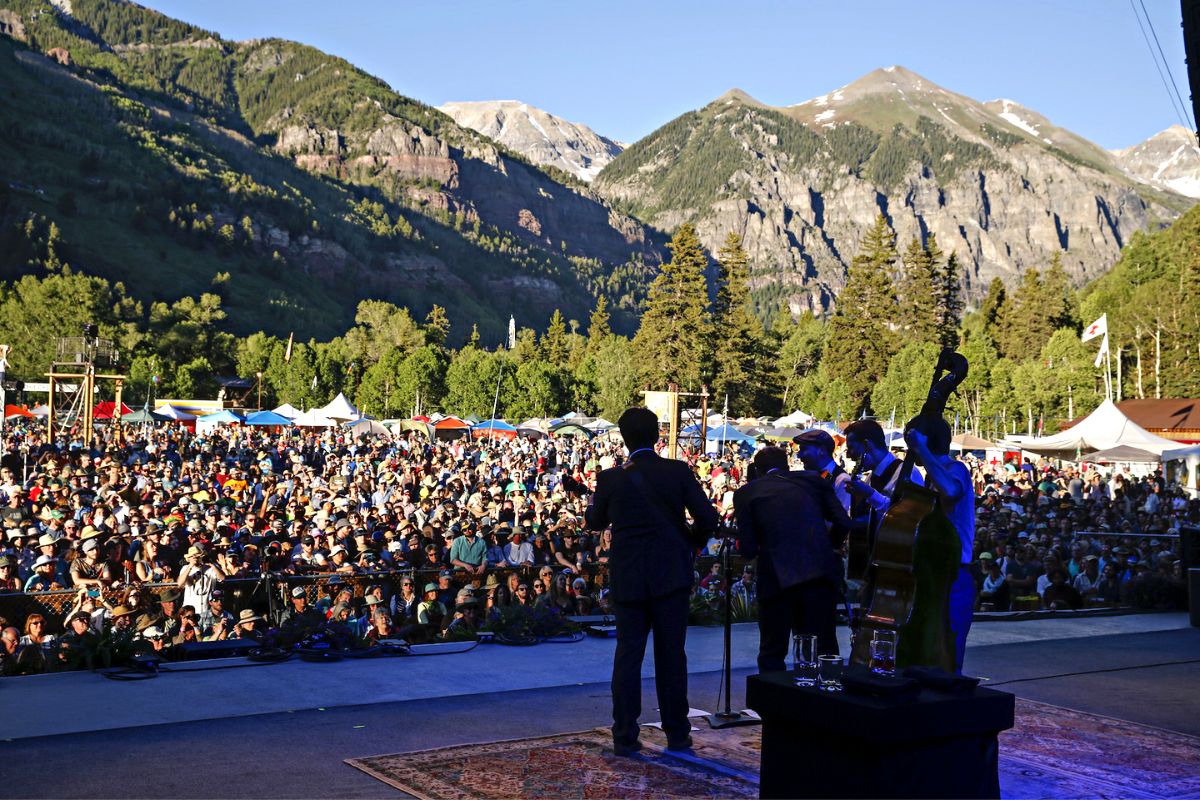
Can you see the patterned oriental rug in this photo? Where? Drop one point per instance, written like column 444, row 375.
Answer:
column 1052, row 753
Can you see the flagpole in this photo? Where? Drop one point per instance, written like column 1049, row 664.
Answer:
column 1108, row 366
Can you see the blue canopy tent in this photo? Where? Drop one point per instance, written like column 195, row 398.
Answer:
column 494, row 427
column 267, row 418
column 221, row 418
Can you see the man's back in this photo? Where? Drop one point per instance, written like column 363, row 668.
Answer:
column 783, row 515
column 644, row 502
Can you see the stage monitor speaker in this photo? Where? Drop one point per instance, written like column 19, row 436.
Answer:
column 1189, row 546
column 231, row 648
column 1193, row 580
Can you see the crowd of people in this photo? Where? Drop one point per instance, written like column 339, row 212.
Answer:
column 148, row 532
column 1069, row 538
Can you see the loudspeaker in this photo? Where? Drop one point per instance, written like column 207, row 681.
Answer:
column 1193, row 582
column 231, row 648
column 1189, row 546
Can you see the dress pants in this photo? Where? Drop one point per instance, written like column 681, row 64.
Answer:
column 809, row 607
column 667, row 617
column 962, row 611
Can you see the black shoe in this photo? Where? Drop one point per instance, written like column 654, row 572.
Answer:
column 625, row 751
column 683, row 744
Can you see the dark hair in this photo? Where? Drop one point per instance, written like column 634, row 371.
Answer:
column 770, row 458
column 639, row 428
column 867, row 430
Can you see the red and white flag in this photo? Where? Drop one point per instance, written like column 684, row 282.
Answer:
column 1097, row 328
column 1102, row 353
column 287, row 354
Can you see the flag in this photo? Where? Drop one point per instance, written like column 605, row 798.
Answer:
column 154, row 379
column 1097, row 328
column 1102, row 353
column 287, row 354
column 314, row 383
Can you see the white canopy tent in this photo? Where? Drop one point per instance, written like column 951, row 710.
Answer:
column 288, row 410
column 796, row 419
column 340, row 409
column 314, row 418
column 1104, row 428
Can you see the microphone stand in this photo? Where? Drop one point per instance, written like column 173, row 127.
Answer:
column 728, row 718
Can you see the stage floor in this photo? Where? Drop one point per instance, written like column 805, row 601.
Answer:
column 284, row 730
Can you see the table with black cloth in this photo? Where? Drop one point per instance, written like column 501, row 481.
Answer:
column 841, row 744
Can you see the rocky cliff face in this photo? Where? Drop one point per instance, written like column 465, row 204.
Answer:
column 997, row 183
column 1169, row 160
column 543, row 138
column 415, row 153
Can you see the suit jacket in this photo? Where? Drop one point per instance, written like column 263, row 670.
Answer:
column 782, row 519
column 650, row 556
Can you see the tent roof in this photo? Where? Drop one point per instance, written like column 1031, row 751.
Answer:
column 265, row 417
column 795, row 418
column 171, row 412
column 364, row 426
column 570, row 429
column 600, row 424
column 1104, row 428
column 1122, row 453
column 313, row 418
column 105, row 410
column 414, row 424
column 222, row 416
column 340, row 409
column 1168, row 455
column 143, row 415
column 493, row 425
column 450, row 423
column 968, row 441
column 288, row 410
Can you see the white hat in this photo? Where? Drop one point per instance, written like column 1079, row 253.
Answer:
column 337, row 548
column 42, row 561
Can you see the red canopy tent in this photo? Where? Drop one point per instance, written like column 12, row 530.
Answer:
column 104, row 410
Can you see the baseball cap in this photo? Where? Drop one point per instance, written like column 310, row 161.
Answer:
column 298, row 591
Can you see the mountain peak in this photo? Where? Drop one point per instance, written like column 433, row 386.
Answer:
column 737, row 95
column 538, row 135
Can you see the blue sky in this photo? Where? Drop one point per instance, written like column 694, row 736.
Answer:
column 626, row 67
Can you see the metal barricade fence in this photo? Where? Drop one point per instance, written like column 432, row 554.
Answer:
column 252, row 592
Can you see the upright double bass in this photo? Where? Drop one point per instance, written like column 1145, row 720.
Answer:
column 915, row 557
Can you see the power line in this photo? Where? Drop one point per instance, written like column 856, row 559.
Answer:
column 1175, row 86
column 1161, row 77
column 1167, row 66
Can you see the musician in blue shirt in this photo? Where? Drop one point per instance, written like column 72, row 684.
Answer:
column 928, row 439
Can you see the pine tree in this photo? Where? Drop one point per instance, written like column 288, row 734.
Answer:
column 670, row 342
column 554, row 345
column 1025, row 327
column 739, row 355
column 990, row 309
column 598, row 324
column 860, row 338
column 950, row 303
column 1060, row 305
column 920, row 292
column 437, row 326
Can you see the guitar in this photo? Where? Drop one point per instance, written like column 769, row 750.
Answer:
column 916, row 556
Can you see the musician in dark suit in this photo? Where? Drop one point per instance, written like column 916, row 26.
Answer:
column 650, row 569
column 782, row 518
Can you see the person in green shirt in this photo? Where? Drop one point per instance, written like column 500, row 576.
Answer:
column 469, row 551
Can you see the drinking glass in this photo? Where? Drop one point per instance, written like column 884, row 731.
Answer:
column 883, row 652
column 829, row 671
column 804, row 659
